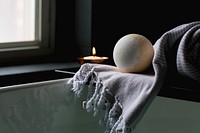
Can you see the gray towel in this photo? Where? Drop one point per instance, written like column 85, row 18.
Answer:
column 125, row 97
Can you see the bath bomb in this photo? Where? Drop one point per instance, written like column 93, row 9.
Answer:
column 133, row 53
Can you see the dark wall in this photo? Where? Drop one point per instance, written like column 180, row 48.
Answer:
column 65, row 33
column 83, row 12
column 113, row 19
column 78, row 26
column 73, row 29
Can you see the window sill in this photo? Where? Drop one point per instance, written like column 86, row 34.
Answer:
column 21, row 74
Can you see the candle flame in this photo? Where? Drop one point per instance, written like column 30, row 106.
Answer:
column 93, row 51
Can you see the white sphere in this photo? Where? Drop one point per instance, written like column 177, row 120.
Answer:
column 133, row 53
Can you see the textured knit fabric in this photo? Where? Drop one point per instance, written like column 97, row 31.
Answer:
column 125, row 97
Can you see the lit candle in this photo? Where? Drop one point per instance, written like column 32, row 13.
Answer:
column 93, row 58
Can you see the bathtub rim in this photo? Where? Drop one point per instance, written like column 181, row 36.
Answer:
column 32, row 84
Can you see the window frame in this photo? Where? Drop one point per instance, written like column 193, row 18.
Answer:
column 44, row 45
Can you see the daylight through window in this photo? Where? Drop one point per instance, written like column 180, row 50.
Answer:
column 26, row 28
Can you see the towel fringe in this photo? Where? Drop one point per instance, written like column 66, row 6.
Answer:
column 96, row 97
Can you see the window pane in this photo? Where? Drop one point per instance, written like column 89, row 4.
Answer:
column 17, row 20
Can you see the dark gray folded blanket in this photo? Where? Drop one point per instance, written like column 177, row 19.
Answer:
column 125, row 97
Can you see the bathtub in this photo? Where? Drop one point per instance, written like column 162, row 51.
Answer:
column 47, row 107
column 43, row 107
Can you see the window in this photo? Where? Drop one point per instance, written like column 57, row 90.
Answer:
column 26, row 29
